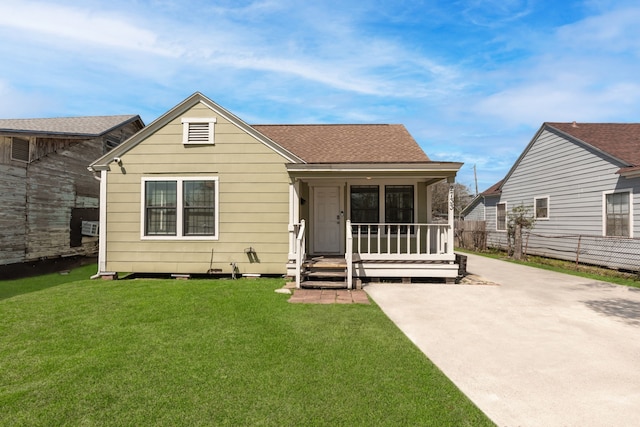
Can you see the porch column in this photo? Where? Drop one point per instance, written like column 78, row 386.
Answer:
column 294, row 215
column 450, row 217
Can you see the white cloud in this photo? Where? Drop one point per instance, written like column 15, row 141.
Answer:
column 585, row 71
column 22, row 104
column 614, row 31
column 62, row 25
column 315, row 45
column 495, row 13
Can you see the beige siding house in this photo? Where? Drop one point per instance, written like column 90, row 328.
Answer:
column 199, row 191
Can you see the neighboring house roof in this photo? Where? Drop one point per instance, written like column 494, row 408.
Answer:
column 494, row 190
column 618, row 140
column 87, row 126
column 347, row 143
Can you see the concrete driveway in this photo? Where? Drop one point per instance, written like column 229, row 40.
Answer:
column 537, row 349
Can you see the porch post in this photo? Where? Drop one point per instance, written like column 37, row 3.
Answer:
column 450, row 217
column 294, row 215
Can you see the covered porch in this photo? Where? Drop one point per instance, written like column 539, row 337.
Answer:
column 369, row 221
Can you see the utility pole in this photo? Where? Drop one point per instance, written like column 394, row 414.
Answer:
column 475, row 177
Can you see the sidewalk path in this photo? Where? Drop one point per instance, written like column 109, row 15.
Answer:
column 539, row 349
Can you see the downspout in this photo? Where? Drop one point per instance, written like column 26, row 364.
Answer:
column 102, row 234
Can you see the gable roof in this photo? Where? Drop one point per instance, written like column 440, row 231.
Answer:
column 103, row 162
column 618, row 140
column 347, row 143
column 307, row 144
column 494, row 190
column 86, row 126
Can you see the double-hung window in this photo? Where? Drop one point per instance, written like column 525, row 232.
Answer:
column 541, row 208
column 180, row 208
column 365, row 204
column 617, row 214
column 501, row 217
column 398, row 207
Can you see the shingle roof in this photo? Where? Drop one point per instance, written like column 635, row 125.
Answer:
column 620, row 140
column 90, row 126
column 494, row 190
column 347, row 143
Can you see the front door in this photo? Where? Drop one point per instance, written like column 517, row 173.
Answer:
column 327, row 220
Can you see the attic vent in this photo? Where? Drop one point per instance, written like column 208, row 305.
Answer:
column 198, row 131
column 20, row 149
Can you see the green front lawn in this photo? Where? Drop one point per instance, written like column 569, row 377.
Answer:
column 209, row 352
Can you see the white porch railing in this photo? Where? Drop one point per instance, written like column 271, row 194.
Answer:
column 348, row 255
column 381, row 242
column 402, row 241
column 300, row 251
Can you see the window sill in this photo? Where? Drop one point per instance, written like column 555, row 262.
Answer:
column 179, row 238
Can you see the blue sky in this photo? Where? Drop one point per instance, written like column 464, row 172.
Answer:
column 472, row 80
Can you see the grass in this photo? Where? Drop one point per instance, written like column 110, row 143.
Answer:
column 10, row 288
column 209, row 352
column 567, row 267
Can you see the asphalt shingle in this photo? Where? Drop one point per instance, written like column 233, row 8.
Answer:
column 350, row 143
column 90, row 126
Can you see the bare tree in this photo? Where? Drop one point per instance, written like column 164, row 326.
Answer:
column 519, row 218
column 462, row 197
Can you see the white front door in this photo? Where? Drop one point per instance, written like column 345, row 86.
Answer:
column 327, row 220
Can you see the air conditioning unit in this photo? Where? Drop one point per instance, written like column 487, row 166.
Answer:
column 90, row 228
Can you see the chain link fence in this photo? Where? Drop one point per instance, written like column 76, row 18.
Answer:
column 611, row 252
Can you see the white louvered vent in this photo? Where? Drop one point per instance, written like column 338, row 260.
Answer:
column 20, row 149
column 198, row 131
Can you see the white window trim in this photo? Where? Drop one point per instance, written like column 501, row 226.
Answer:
column 506, row 211
column 535, row 211
column 604, row 211
column 179, row 208
column 186, row 121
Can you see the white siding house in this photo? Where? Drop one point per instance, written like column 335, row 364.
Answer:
column 582, row 183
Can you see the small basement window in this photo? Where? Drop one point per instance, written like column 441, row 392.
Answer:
column 20, row 149
column 198, row 130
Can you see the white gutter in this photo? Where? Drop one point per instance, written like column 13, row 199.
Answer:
column 102, row 233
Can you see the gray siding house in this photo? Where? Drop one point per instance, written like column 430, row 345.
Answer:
column 476, row 210
column 582, row 183
column 46, row 191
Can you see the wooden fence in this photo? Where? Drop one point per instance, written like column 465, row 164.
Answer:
column 470, row 234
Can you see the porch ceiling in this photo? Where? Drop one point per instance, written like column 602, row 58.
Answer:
column 431, row 171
